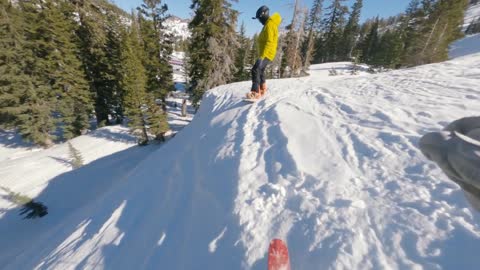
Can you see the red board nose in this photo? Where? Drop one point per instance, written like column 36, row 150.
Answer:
column 278, row 255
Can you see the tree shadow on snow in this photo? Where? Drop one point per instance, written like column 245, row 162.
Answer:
column 11, row 139
column 117, row 136
column 71, row 198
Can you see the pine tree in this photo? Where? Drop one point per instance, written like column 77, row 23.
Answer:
column 241, row 56
column 253, row 52
column 100, row 55
column 351, row 32
column 334, row 22
column 13, row 81
column 428, row 6
column 212, row 46
column 409, row 29
column 38, row 102
column 448, row 15
column 158, row 47
column 57, row 66
column 389, row 51
column 436, row 31
column 416, row 30
column 157, row 119
column 312, row 30
column 371, row 44
column 67, row 76
column 293, row 40
column 75, row 156
column 134, row 83
column 143, row 113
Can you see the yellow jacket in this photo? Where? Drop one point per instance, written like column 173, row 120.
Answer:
column 268, row 38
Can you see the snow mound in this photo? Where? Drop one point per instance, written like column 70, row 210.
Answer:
column 328, row 163
column 465, row 46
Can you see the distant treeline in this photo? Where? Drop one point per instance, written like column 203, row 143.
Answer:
column 64, row 63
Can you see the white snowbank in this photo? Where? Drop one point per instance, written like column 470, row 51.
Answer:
column 465, row 46
column 27, row 169
column 469, row 44
column 472, row 13
column 330, row 164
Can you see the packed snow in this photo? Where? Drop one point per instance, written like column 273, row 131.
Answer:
column 466, row 46
column 28, row 169
column 330, row 164
column 470, row 44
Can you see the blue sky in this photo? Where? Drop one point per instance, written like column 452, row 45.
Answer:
column 247, row 8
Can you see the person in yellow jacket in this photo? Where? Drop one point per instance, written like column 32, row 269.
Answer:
column 267, row 49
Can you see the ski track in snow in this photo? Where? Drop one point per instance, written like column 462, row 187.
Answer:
column 329, row 164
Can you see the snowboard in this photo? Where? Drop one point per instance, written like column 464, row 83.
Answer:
column 278, row 255
column 248, row 100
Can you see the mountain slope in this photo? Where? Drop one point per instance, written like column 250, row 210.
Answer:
column 472, row 13
column 468, row 45
column 177, row 27
column 330, row 164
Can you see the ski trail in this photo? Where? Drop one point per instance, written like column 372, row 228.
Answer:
column 251, row 206
column 266, row 172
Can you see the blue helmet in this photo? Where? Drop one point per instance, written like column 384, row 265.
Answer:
column 262, row 14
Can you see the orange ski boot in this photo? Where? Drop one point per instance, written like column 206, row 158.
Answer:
column 263, row 89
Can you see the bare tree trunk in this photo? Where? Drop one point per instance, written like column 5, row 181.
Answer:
column 430, row 37
column 309, row 52
column 144, row 131
column 184, row 108
column 294, row 19
column 293, row 41
column 298, row 63
column 440, row 38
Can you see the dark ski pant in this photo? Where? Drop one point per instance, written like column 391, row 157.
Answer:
column 258, row 73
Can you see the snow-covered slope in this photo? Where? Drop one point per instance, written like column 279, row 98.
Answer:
column 330, row 164
column 27, row 169
column 472, row 13
column 177, row 27
column 465, row 46
column 470, row 44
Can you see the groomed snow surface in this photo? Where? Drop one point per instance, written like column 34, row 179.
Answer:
column 329, row 164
